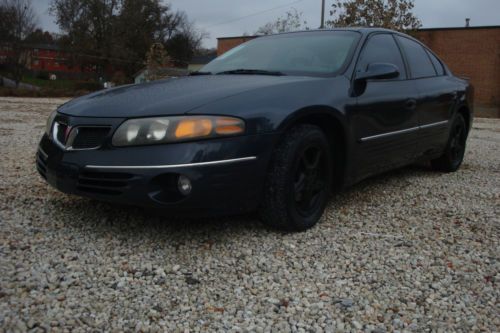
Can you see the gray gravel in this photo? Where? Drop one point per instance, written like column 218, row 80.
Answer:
column 412, row 250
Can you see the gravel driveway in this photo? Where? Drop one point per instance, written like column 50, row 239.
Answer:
column 412, row 250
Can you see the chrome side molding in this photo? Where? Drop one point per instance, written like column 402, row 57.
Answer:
column 439, row 123
column 171, row 166
column 407, row 130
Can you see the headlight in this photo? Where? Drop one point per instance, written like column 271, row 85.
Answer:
column 50, row 122
column 146, row 131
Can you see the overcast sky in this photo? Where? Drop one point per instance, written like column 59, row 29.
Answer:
column 225, row 18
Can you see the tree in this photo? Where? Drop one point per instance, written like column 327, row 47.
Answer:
column 40, row 37
column 291, row 21
column 156, row 59
column 18, row 21
column 117, row 34
column 6, row 23
column 185, row 41
column 88, row 25
column 180, row 49
column 138, row 26
column 390, row 14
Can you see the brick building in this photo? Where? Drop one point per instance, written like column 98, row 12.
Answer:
column 472, row 52
column 225, row 44
column 49, row 58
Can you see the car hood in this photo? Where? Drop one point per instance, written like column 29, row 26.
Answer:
column 170, row 97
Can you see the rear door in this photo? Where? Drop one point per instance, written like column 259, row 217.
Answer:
column 437, row 96
column 384, row 119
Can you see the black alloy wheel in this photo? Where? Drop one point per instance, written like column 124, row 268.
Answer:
column 299, row 180
column 310, row 179
column 454, row 153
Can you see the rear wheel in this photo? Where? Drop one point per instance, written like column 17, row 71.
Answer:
column 299, row 180
column 453, row 155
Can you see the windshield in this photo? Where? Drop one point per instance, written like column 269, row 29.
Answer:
column 310, row 53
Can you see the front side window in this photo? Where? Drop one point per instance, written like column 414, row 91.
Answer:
column 315, row 54
column 382, row 48
column 420, row 63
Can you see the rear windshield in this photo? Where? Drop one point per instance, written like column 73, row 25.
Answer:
column 316, row 54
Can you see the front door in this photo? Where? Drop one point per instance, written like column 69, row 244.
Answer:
column 384, row 119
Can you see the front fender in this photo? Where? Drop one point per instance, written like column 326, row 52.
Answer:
column 270, row 109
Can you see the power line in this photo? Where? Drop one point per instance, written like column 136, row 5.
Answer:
column 254, row 14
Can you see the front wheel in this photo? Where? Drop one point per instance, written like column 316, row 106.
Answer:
column 453, row 155
column 299, row 180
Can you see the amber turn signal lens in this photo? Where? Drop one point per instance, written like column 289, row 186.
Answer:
column 229, row 126
column 193, row 128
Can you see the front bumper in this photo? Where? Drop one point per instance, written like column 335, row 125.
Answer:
column 227, row 175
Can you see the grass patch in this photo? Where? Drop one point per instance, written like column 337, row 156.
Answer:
column 48, row 84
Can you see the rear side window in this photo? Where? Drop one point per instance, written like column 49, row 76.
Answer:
column 418, row 59
column 382, row 48
column 437, row 64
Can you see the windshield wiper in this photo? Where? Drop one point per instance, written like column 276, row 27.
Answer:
column 252, row 72
column 200, row 73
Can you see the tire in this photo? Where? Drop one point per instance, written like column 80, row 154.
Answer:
column 299, row 180
column 453, row 155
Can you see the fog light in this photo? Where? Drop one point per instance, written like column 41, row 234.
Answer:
column 184, row 185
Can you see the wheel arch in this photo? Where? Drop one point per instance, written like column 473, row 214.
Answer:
column 332, row 123
column 465, row 112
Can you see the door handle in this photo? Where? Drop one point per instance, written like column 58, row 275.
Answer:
column 411, row 104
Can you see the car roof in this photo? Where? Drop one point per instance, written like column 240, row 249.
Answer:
column 363, row 30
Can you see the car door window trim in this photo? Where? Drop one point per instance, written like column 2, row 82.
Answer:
column 433, row 55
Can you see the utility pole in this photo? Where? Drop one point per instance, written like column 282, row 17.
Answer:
column 322, row 26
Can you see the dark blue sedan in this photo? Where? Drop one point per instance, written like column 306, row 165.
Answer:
column 274, row 125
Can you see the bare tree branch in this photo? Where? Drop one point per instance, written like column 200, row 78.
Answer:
column 18, row 22
column 291, row 21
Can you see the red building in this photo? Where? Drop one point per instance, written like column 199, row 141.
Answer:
column 51, row 58
column 5, row 53
column 48, row 58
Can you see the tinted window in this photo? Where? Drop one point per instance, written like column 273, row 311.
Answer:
column 307, row 53
column 438, row 66
column 420, row 64
column 382, row 48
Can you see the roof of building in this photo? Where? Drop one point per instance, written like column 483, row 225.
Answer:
column 369, row 28
column 462, row 28
column 45, row 46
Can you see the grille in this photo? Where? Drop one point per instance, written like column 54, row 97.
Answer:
column 89, row 137
column 109, row 183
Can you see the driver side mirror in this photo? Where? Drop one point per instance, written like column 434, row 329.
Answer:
column 378, row 71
